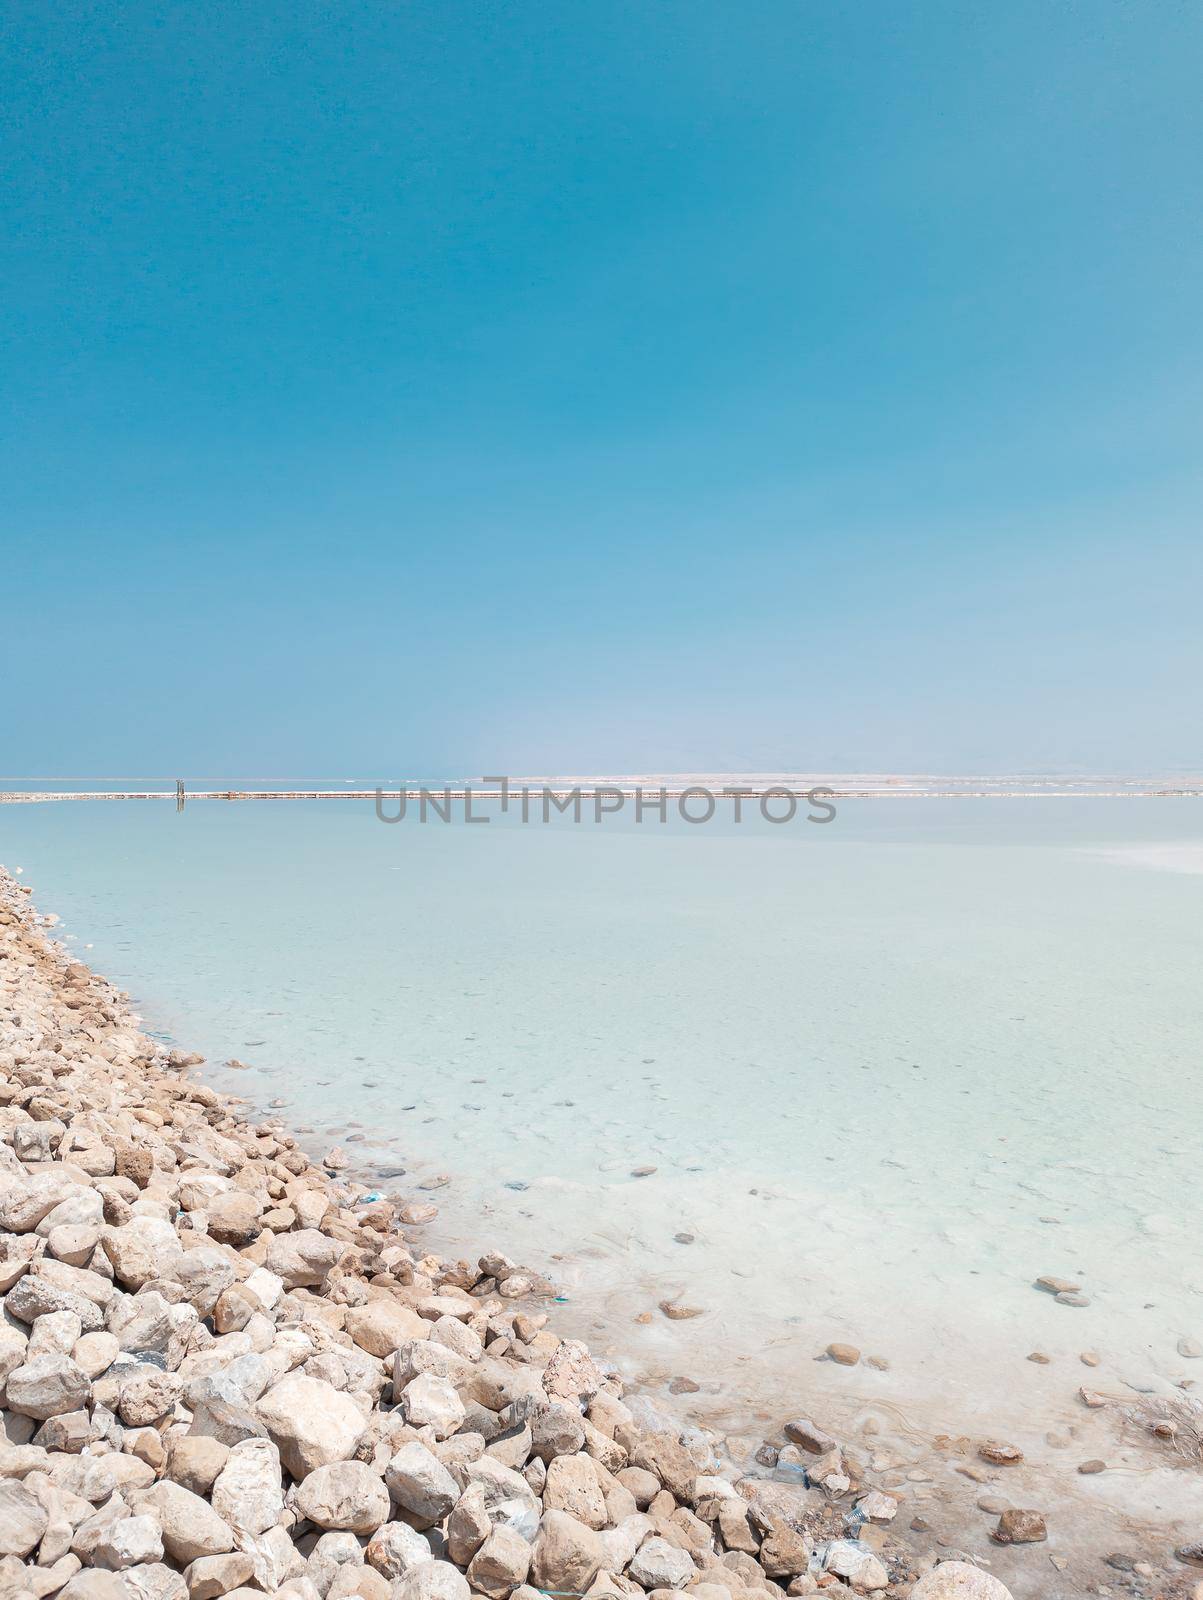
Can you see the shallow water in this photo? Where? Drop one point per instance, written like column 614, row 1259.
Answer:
column 888, row 1071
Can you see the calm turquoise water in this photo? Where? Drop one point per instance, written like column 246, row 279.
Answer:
column 888, row 1071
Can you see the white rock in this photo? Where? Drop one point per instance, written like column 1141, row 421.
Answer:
column 431, row 1402
column 345, row 1495
column 22, row 1518
column 127, row 1542
column 857, row 1565
column 500, row 1564
column 302, row 1259
column 145, row 1248
column 95, row 1584
column 395, row 1548
column 212, row 1576
column 154, row 1580
column 277, row 1560
column 958, row 1580
column 191, row 1528
column 248, row 1491
column 432, row 1580
column 566, row 1554
column 660, row 1565
column 47, row 1386
column 382, row 1326
column 312, row 1423
column 571, row 1374
column 24, row 1205
column 266, row 1287
column 877, row 1507
column 420, row 1483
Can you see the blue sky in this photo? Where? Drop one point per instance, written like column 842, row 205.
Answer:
column 455, row 387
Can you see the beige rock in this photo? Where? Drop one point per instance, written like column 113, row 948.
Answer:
column 302, row 1259
column 469, row 1524
column 664, row 1455
column 500, row 1564
column 233, row 1217
column 40, row 1294
column 1020, row 1527
column 23, row 1518
column 661, row 1565
column 95, row 1584
column 859, row 1567
column 127, row 1542
column 147, row 1397
column 643, row 1485
column 381, row 1326
column 420, row 1483
column 46, row 1386
column 362, row 1581
column 94, row 1353
column 396, row 1547
column 566, row 1554
column 248, row 1491
column 432, row 1402
column 145, row 1248
column 14, row 1350
column 24, row 1206
column 958, row 1580
column 571, row 1374
column 73, row 1242
column 17, row 1252
column 558, row 1429
column 195, row 1460
column 345, row 1495
column 432, row 1580
column 191, row 1528
column 311, row 1422
column 572, row 1485
column 212, row 1576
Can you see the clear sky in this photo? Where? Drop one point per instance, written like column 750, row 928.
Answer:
column 432, row 386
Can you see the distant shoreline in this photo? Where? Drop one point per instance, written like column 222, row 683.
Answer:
column 843, row 786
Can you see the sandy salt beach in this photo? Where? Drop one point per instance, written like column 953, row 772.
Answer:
column 231, row 1368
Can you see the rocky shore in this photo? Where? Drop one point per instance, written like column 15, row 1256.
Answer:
column 227, row 1370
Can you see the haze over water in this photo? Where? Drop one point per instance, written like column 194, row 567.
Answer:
column 888, row 1071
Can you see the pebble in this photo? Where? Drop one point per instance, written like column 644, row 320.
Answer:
column 800, row 1430
column 676, row 1312
column 1089, row 1358
column 1002, row 1455
column 1020, row 1527
column 1189, row 1348
column 1090, row 1468
column 1057, row 1286
column 844, row 1355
